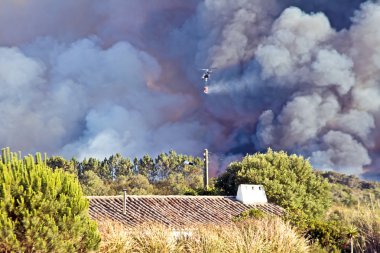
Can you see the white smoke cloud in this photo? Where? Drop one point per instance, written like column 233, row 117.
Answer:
column 337, row 151
column 364, row 49
column 294, row 40
column 104, row 88
column 357, row 123
column 232, row 30
column 333, row 69
column 23, row 124
column 303, row 50
column 122, row 112
column 304, row 117
column 300, row 121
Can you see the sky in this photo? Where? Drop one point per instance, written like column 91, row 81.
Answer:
column 93, row 78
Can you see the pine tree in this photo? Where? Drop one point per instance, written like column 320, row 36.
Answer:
column 42, row 210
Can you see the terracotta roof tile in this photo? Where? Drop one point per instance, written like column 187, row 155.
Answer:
column 175, row 211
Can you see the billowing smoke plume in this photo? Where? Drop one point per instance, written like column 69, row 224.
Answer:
column 93, row 78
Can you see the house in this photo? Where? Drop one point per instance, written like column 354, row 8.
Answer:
column 180, row 211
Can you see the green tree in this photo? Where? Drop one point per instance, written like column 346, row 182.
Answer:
column 145, row 165
column 58, row 162
column 134, row 184
column 177, row 174
column 175, row 184
column 166, row 164
column 289, row 181
column 42, row 210
column 193, row 175
column 122, row 166
column 118, row 165
column 93, row 185
column 91, row 164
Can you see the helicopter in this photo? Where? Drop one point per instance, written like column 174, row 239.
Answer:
column 205, row 76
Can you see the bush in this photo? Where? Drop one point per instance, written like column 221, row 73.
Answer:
column 289, row 182
column 42, row 210
column 252, row 213
column 331, row 235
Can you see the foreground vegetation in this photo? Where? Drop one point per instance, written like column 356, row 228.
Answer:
column 259, row 235
column 363, row 223
column 42, row 208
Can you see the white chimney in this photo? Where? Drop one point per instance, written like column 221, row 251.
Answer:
column 251, row 194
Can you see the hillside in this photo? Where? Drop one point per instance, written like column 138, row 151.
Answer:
column 350, row 190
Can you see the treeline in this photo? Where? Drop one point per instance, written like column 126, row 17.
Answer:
column 168, row 173
column 351, row 181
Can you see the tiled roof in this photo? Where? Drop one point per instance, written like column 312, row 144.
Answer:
column 175, row 211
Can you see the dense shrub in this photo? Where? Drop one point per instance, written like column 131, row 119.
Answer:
column 331, row 235
column 252, row 213
column 289, row 181
column 42, row 210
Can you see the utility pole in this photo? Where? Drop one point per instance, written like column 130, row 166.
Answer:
column 205, row 173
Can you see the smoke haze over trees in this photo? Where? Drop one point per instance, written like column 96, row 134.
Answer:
column 95, row 78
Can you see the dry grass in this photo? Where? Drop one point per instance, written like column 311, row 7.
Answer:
column 114, row 238
column 366, row 218
column 261, row 235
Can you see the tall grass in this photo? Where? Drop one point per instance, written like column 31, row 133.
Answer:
column 115, row 237
column 261, row 235
column 366, row 219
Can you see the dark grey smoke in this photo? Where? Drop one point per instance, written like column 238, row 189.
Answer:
column 92, row 78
